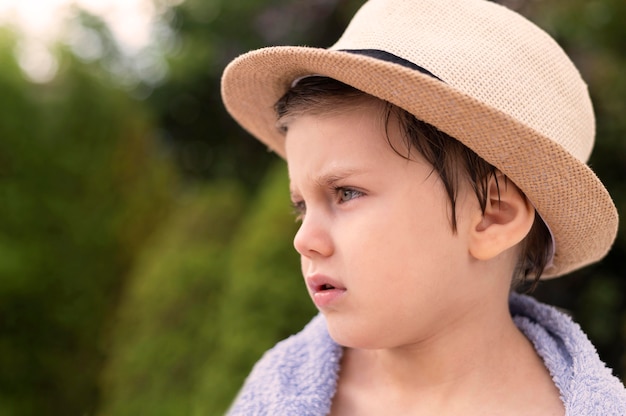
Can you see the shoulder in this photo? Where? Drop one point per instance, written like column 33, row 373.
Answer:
column 586, row 385
column 297, row 376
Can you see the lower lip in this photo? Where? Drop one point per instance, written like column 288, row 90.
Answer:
column 325, row 298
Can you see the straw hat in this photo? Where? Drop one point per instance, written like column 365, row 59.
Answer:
column 480, row 73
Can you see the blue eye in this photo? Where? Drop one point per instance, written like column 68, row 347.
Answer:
column 348, row 194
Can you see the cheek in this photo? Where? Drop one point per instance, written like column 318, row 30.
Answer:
column 407, row 238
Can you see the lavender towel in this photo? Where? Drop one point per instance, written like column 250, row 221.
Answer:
column 299, row 375
column 587, row 386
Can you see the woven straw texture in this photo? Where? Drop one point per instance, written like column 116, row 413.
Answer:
column 507, row 91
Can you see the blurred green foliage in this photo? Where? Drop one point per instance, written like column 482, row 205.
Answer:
column 165, row 326
column 82, row 186
column 145, row 244
column 264, row 298
column 212, row 290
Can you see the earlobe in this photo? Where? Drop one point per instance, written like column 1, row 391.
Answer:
column 507, row 219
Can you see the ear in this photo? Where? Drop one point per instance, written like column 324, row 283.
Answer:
column 507, row 219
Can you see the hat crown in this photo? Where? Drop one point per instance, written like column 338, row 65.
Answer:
column 489, row 53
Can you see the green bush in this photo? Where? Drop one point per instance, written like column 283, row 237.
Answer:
column 215, row 288
column 81, row 188
column 166, row 323
column 265, row 299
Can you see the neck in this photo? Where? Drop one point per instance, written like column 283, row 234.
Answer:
column 477, row 351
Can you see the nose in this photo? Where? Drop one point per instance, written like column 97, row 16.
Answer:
column 313, row 238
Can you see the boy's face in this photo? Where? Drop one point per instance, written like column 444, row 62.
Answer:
column 378, row 253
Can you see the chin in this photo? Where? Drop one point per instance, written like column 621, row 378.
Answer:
column 352, row 335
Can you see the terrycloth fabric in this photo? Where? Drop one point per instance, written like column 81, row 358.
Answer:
column 299, row 375
column 587, row 386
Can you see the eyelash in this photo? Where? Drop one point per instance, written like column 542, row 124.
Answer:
column 299, row 207
column 340, row 191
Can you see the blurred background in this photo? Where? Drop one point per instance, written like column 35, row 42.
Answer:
column 145, row 239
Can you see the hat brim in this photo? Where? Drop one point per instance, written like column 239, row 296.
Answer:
column 566, row 193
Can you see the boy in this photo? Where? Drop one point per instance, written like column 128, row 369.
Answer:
column 436, row 156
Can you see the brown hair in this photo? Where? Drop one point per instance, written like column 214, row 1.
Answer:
column 450, row 159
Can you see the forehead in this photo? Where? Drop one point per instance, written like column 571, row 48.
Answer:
column 360, row 113
column 349, row 139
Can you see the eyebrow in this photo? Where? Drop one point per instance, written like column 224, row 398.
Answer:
column 330, row 178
